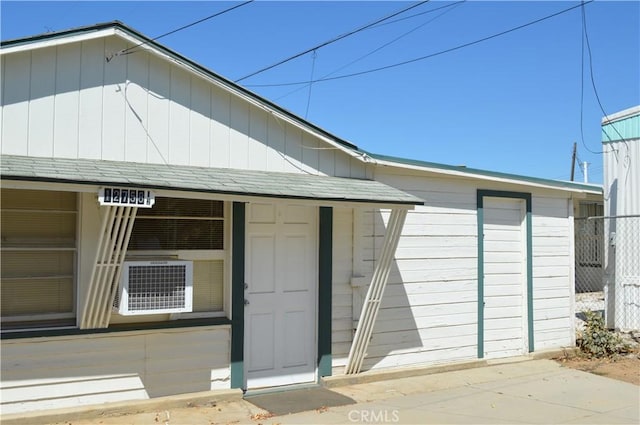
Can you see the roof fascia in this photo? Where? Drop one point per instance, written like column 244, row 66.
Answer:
column 494, row 176
column 58, row 40
column 627, row 113
column 8, row 182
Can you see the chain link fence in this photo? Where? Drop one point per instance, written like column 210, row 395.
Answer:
column 607, row 269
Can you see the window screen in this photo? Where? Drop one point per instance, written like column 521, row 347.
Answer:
column 37, row 267
column 179, row 224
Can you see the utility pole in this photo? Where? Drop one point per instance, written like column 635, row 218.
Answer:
column 573, row 160
column 585, row 167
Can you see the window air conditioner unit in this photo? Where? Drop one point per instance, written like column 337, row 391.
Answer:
column 155, row 287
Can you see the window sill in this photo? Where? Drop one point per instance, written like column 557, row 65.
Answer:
column 184, row 323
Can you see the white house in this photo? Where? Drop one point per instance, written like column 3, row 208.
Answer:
column 166, row 231
column 621, row 158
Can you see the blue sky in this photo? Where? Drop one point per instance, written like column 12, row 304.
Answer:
column 510, row 104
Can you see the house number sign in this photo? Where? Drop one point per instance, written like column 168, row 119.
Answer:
column 127, row 197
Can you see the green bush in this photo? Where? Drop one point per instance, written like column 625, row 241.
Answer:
column 597, row 340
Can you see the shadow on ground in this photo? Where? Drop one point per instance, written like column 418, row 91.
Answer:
column 295, row 401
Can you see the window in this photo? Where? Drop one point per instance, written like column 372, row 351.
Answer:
column 590, row 209
column 589, row 234
column 38, row 260
column 186, row 229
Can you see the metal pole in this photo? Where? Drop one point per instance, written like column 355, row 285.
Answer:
column 585, row 167
column 573, row 160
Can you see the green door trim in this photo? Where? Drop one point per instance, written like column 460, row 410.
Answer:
column 481, row 194
column 325, row 284
column 237, row 294
column 325, row 272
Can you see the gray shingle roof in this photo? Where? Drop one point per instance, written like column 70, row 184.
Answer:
column 202, row 179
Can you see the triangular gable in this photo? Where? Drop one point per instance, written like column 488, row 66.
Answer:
column 175, row 111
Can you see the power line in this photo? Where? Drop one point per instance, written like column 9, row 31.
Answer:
column 582, row 38
column 129, row 50
column 313, row 67
column 418, row 14
column 452, row 6
column 593, row 82
column 333, row 40
column 461, row 46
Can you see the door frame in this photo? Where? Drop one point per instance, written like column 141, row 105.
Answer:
column 480, row 195
column 323, row 296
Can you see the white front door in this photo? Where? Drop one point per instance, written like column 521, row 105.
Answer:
column 280, row 295
column 505, row 283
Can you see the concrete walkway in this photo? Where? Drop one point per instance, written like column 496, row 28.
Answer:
column 527, row 392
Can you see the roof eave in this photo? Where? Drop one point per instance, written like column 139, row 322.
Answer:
column 471, row 173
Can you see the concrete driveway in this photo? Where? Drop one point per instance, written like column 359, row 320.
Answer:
column 525, row 392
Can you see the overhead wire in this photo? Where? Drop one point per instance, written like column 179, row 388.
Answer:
column 131, row 49
column 333, row 40
column 582, row 48
column 421, row 58
column 593, row 82
column 313, row 67
column 417, row 14
column 452, row 6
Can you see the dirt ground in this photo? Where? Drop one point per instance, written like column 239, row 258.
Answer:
column 624, row 368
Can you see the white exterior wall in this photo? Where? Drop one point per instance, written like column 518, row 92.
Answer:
column 68, row 101
column 69, row 371
column 429, row 310
column 342, row 328
column 553, row 285
column 622, row 257
column 622, row 177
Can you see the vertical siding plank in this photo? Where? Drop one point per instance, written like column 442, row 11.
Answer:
column 239, row 134
column 310, row 157
column 327, row 162
column 276, row 144
column 293, row 149
column 258, row 123
column 358, row 169
column 136, row 108
column 43, row 81
column 179, row 117
column 113, row 102
column 342, row 164
column 200, row 115
column 158, row 109
column 67, row 101
column 91, row 80
column 15, row 103
column 220, row 121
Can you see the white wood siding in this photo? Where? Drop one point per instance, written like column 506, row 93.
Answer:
column 342, row 295
column 429, row 310
column 553, row 287
column 505, row 282
column 68, row 101
column 68, row 371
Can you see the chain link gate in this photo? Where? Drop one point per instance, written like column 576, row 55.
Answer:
column 607, row 270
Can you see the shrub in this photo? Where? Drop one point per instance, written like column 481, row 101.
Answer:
column 597, row 340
